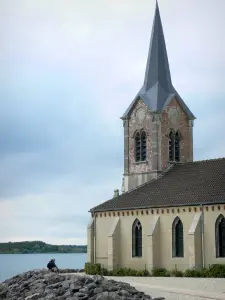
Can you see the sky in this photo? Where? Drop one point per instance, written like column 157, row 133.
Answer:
column 68, row 71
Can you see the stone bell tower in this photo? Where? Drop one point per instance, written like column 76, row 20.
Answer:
column 158, row 126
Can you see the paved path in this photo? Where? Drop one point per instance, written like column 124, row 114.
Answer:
column 178, row 288
column 171, row 289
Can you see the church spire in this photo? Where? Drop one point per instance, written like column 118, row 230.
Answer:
column 157, row 89
column 157, row 68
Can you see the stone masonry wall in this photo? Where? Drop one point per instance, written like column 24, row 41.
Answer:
column 134, row 125
column 174, row 117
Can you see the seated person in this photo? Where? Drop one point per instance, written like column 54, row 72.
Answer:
column 52, row 266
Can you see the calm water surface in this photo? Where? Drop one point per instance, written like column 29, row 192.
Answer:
column 13, row 264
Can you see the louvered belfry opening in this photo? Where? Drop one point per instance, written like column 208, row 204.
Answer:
column 137, row 239
column 171, row 146
column 220, row 236
column 140, row 146
column 177, row 147
column 143, row 146
column 174, row 146
column 178, row 238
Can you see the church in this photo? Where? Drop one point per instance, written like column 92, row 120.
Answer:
column 171, row 211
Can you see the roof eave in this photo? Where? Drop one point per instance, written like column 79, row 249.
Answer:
column 160, row 206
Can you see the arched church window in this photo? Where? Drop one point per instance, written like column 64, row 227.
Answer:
column 171, row 146
column 177, row 147
column 177, row 238
column 140, row 146
column 220, row 236
column 136, row 239
column 143, row 146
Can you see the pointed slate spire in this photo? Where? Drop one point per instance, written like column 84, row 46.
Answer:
column 157, row 68
column 157, row 89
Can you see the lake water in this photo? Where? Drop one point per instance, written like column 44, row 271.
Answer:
column 13, row 264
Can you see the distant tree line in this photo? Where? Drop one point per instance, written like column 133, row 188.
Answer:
column 39, row 247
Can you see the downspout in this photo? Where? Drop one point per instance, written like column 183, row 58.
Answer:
column 127, row 147
column 128, row 151
column 94, row 238
column 203, row 238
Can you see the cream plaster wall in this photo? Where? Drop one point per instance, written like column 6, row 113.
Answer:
column 195, row 242
column 198, row 245
column 103, row 227
column 90, row 238
column 114, row 244
column 162, row 237
column 209, row 234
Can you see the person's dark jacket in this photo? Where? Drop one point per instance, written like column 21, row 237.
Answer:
column 51, row 265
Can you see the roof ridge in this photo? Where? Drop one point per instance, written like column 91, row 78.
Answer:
column 206, row 160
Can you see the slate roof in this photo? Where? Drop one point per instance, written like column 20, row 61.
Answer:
column 157, row 90
column 192, row 183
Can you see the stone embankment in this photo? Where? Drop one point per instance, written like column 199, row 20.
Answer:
column 42, row 284
column 62, row 271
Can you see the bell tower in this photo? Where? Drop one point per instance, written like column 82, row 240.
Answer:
column 158, row 126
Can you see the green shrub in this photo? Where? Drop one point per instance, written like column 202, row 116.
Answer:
column 92, row 269
column 105, row 272
column 160, row 272
column 204, row 272
column 215, row 271
column 143, row 273
column 192, row 273
column 129, row 272
column 176, row 273
column 118, row 272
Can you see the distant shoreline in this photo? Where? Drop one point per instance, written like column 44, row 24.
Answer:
column 38, row 247
column 1, row 253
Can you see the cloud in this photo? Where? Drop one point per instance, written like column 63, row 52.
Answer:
column 68, row 71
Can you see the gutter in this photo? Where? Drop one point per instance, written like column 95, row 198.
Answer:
column 155, row 207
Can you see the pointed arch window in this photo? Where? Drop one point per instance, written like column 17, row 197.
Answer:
column 174, row 146
column 140, row 146
column 177, row 238
column 220, row 236
column 137, row 239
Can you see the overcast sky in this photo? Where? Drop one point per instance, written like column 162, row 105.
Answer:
column 68, row 71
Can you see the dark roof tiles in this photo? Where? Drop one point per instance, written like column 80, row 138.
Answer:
column 192, row 183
